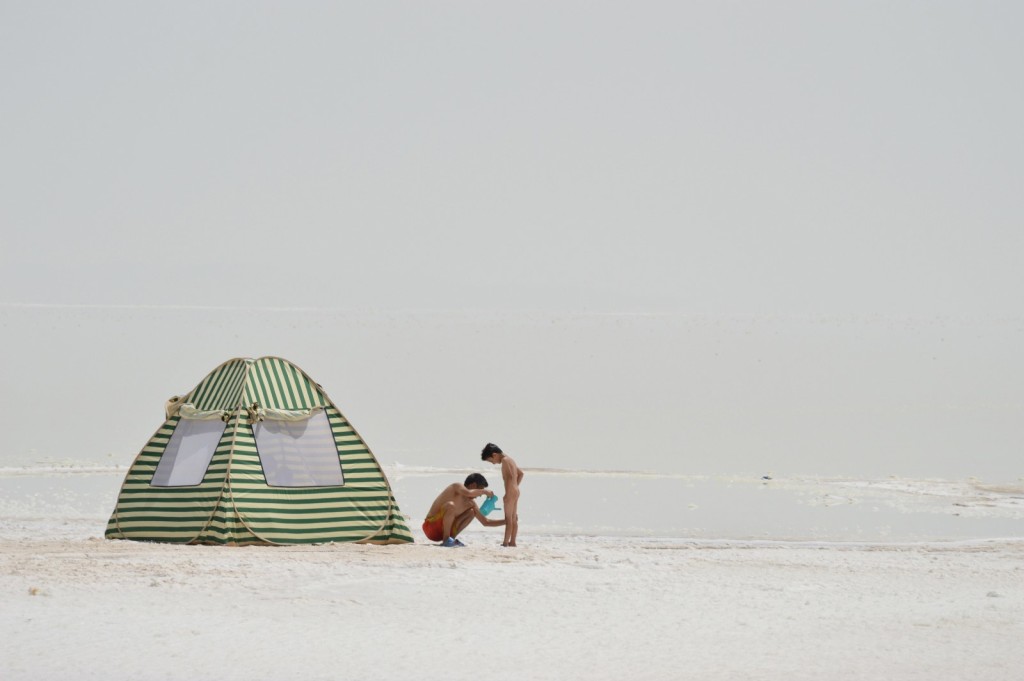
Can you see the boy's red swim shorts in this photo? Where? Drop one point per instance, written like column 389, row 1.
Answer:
column 434, row 527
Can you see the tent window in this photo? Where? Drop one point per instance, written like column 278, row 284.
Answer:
column 299, row 453
column 188, row 454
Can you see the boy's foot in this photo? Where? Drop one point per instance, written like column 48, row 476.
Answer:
column 451, row 543
column 457, row 543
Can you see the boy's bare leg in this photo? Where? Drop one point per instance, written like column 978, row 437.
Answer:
column 448, row 522
column 462, row 521
column 511, row 520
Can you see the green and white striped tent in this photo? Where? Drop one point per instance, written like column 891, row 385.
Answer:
column 256, row 454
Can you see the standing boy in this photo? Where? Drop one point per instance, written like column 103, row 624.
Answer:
column 512, row 476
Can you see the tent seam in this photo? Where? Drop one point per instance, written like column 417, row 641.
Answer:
column 237, row 416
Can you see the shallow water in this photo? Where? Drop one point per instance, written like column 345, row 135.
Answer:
column 598, row 503
column 730, row 508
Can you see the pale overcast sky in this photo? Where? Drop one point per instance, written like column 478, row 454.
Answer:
column 826, row 196
column 710, row 157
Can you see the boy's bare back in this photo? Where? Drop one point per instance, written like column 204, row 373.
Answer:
column 456, row 493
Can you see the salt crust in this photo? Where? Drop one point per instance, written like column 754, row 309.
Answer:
column 81, row 607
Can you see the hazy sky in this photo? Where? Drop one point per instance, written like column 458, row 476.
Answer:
column 699, row 157
column 736, row 164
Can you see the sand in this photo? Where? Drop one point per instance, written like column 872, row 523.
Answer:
column 555, row 608
column 704, row 578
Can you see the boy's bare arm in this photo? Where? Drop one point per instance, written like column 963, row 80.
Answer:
column 484, row 520
column 464, row 491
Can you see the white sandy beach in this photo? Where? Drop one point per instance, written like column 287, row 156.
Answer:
column 554, row 609
column 562, row 606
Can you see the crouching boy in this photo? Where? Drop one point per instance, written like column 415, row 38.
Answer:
column 454, row 509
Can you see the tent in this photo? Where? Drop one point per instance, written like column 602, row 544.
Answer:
column 256, row 454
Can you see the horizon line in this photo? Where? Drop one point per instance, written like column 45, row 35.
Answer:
column 512, row 311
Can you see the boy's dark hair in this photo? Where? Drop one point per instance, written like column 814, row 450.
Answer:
column 476, row 479
column 490, row 448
